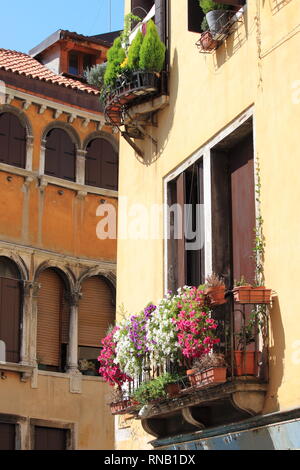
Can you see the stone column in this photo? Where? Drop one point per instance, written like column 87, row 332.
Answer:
column 29, row 152
column 80, row 166
column 28, row 343
column 72, row 360
column 42, row 157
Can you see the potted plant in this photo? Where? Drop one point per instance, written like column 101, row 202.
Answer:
column 217, row 15
column 171, row 383
column 244, row 360
column 211, row 368
column 119, row 403
column 215, row 289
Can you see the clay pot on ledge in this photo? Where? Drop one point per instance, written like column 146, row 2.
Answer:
column 207, row 42
column 194, row 376
column 252, row 295
column 173, row 389
column 216, row 295
column 245, row 363
column 214, row 375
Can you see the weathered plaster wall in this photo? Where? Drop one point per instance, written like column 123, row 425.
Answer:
column 257, row 66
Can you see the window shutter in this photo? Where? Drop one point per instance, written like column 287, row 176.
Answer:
column 7, row 436
column 109, row 166
column 68, row 157
column 96, row 311
column 4, row 137
column 181, row 253
column 92, row 163
column 195, row 16
column 60, row 156
column 53, row 319
column 160, row 18
column 50, row 438
column 10, row 306
column 52, row 153
column 17, row 143
column 101, row 165
column 12, row 141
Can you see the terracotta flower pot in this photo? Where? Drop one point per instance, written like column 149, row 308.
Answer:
column 214, row 375
column 244, row 363
column 207, row 42
column 120, row 407
column 252, row 295
column 194, row 376
column 173, row 389
column 216, row 295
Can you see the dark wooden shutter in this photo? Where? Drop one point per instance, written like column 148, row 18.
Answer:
column 50, row 438
column 60, row 155
column 10, row 313
column 4, row 137
column 161, row 18
column 195, row 16
column 12, row 141
column 181, row 253
column 109, row 166
column 52, row 153
column 101, row 165
column 17, row 143
column 93, row 163
column 53, row 319
column 96, row 311
column 7, row 436
column 67, row 156
column 243, row 209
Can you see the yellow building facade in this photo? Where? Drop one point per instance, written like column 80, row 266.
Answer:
column 251, row 79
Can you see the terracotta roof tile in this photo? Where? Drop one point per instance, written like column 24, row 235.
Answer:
column 23, row 64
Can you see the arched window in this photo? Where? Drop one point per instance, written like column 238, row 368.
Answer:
column 12, row 140
column 96, row 314
column 101, row 167
column 52, row 322
column 60, row 155
column 10, row 308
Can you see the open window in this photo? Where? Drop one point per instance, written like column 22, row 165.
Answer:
column 186, row 228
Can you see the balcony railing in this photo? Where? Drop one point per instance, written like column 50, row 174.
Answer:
column 215, row 394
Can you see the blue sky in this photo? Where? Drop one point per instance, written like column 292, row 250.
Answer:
column 25, row 23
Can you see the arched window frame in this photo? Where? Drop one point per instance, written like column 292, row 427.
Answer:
column 25, row 122
column 108, row 138
column 74, row 138
column 68, row 281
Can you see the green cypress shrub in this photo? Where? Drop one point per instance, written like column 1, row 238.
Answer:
column 152, row 52
column 115, row 57
column 210, row 5
column 134, row 51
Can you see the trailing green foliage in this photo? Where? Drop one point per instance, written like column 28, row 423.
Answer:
column 152, row 52
column 134, row 51
column 209, row 5
column 154, row 389
column 128, row 20
column 115, row 56
column 95, row 75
